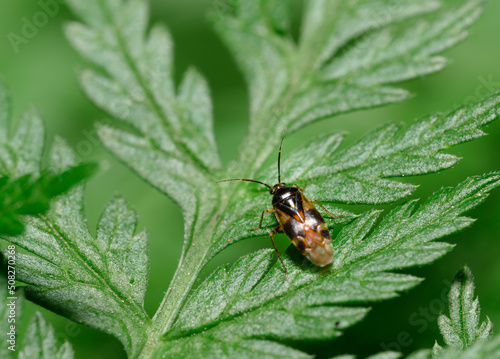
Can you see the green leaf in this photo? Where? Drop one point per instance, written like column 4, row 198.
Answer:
column 166, row 137
column 172, row 145
column 404, row 50
column 462, row 329
column 39, row 340
column 421, row 354
column 98, row 281
column 24, row 188
column 480, row 349
column 250, row 300
column 463, row 334
column 347, row 55
column 363, row 173
column 20, row 153
column 27, row 196
column 385, row 355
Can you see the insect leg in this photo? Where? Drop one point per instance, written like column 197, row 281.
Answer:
column 262, row 218
column 324, row 209
column 273, row 232
column 301, row 188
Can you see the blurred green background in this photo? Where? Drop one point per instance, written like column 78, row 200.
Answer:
column 42, row 73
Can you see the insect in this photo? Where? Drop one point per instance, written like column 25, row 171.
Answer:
column 298, row 219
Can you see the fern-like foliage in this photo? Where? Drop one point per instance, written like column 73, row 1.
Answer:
column 24, row 189
column 347, row 55
column 248, row 301
column 343, row 61
column 489, row 349
column 39, row 340
column 98, row 281
column 463, row 329
column 463, row 334
column 479, row 350
column 365, row 172
column 29, row 196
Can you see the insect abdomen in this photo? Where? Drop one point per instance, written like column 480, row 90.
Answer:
column 306, row 228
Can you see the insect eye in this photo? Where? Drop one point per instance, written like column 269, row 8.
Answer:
column 272, row 190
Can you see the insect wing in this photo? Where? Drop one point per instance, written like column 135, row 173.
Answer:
column 306, row 228
column 319, row 248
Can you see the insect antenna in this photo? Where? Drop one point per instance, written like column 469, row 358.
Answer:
column 245, row 179
column 279, row 156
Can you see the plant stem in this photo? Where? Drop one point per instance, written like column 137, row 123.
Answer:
column 191, row 263
column 189, row 267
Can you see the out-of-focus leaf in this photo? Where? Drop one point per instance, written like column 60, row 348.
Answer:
column 98, row 281
column 463, row 328
column 24, row 188
column 40, row 342
column 29, row 196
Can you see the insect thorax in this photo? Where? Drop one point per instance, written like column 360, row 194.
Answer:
column 283, row 193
